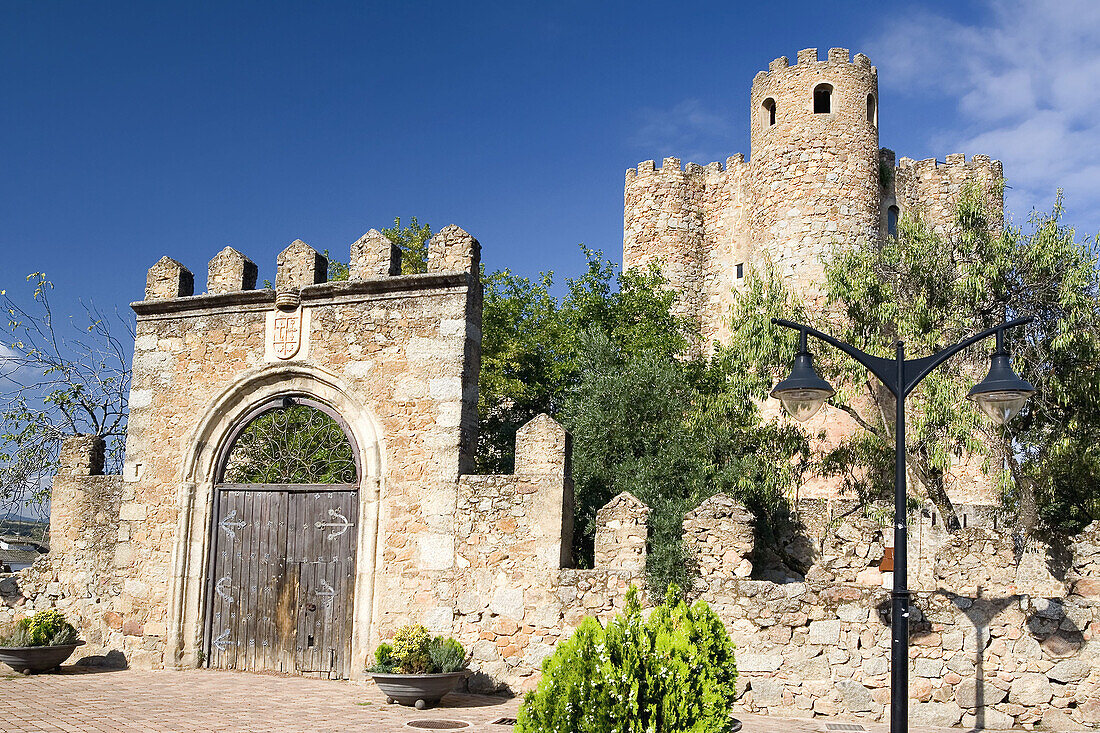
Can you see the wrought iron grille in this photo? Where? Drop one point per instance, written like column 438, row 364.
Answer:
column 291, row 444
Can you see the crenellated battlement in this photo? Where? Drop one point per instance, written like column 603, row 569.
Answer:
column 673, row 167
column 950, row 162
column 371, row 257
column 808, row 57
column 929, row 188
column 815, row 179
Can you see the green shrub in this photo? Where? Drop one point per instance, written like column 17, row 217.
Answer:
column 384, row 663
column 674, row 672
column 447, row 655
column 410, row 649
column 416, row 651
column 45, row 628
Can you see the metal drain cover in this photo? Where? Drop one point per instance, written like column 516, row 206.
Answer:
column 844, row 728
column 505, row 721
column 437, row 724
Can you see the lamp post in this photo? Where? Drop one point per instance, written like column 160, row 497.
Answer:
column 1000, row 395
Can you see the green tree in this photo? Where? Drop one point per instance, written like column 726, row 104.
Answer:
column 930, row 291
column 1052, row 449
column 609, row 361
column 413, row 241
column 296, row 444
column 58, row 378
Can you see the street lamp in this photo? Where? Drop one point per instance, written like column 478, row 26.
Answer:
column 1000, row 396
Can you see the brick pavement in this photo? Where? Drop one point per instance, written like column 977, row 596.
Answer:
column 208, row 701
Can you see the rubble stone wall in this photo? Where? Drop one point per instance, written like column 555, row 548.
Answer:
column 83, row 575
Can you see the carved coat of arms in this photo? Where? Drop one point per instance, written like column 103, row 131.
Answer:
column 287, row 334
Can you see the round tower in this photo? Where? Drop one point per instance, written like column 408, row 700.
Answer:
column 814, row 164
column 663, row 225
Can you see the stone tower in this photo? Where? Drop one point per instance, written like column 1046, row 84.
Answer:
column 814, row 170
column 816, row 179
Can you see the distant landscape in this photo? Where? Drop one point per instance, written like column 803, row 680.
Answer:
column 17, row 526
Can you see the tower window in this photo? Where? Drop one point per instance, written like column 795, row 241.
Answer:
column 823, row 99
column 872, row 110
column 892, row 221
column 768, row 111
column 740, row 270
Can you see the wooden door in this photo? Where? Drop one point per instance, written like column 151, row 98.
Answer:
column 322, row 549
column 282, row 579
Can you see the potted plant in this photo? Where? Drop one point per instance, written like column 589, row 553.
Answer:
column 417, row 668
column 38, row 643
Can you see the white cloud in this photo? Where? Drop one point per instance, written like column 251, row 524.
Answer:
column 688, row 130
column 9, row 364
column 1026, row 80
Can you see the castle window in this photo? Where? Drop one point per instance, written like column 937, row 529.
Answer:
column 768, row 108
column 892, row 221
column 740, row 270
column 823, row 99
column 872, row 110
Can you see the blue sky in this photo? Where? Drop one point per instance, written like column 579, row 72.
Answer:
column 133, row 130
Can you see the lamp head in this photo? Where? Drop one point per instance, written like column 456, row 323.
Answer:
column 1002, row 394
column 804, row 392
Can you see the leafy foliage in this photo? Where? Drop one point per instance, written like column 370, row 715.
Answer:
column 673, row 672
column 44, row 628
column 58, row 378
column 338, row 271
column 930, row 291
column 612, row 361
column 416, row 651
column 384, row 663
column 1052, row 449
column 413, row 241
column 296, row 444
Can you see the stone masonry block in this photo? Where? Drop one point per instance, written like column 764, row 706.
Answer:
column 374, row 255
column 300, row 265
column 168, row 279
column 543, row 447
column 230, row 271
column 453, row 249
column 82, row 455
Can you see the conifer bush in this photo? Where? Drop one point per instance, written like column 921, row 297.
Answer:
column 673, row 672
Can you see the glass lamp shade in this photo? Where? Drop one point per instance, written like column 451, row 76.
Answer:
column 1002, row 394
column 804, row 392
column 802, row 404
column 1001, row 406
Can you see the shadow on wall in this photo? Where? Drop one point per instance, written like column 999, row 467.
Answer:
column 112, row 661
column 1053, row 633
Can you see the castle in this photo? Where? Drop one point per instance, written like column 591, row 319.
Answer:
column 182, row 562
column 816, row 178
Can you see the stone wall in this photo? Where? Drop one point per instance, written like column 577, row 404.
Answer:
column 814, row 180
column 395, row 356
column 930, row 189
column 999, row 637
column 89, row 563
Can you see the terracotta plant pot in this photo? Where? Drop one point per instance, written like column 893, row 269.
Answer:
column 419, row 690
column 28, row 659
